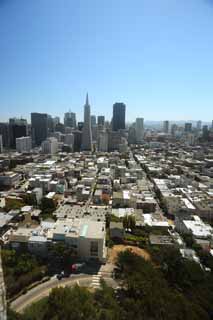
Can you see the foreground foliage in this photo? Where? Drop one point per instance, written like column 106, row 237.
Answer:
column 170, row 288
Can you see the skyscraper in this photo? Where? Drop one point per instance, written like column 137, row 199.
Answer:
column 93, row 120
column 4, row 131
column 166, row 126
column 17, row 129
column 199, row 125
column 70, row 119
column 101, row 120
column 39, row 127
column 118, row 120
column 1, row 144
column 188, row 127
column 139, row 126
column 87, row 133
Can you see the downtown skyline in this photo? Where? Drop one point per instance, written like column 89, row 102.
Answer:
column 155, row 56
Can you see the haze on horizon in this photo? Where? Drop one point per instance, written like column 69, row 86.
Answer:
column 153, row 55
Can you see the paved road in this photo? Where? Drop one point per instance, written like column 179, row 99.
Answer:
column 45, row 288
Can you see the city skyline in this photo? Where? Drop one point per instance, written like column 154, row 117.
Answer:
column 155, row 56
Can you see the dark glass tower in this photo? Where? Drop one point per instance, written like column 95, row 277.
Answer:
column 118, row 120
column 39, row 125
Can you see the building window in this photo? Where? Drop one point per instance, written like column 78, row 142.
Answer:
column 94, row 248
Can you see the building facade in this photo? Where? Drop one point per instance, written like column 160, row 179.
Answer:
column 118, row 120
column 39, row 125
column 87, row 132
column 23, row 144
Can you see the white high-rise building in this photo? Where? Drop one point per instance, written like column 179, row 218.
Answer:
column 103, row 141
column 24, row 144
column 199, row 125
column 1, row 144
column 139, row 128
column 87, row 132
column 50, row 146
column 69, row 139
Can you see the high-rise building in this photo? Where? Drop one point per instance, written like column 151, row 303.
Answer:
column 50, row 124
column 4, row 131
column 199, row 125
column 87, row 132
column 50, row 146
column 23, row 144
column 101, row 120
column 212, row 124
column 132, row 135
column 103, row 141
column 77, row 140
column 205, row 130
column 114, row 140
column 188, row 127
column 69, row 140
column 166, row 126
column 17, row 129
column 70, row 119
column 174, row 129
column 139, row 127
column 118, row 120
column 93, row 120
column 1, row 144
column 39, row 127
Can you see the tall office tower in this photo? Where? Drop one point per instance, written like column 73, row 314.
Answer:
column 199, row 125
column 118, row 120
column 205, row 130
column 1, row 144
column 139, row 127
column 114, row 140
column 166, row 126
column 77, row 140
column 132, row 135
column 212, row 124
column 39, row 127
column 87, row 132
column 70, row 119
column 23, row 144
column 103, row 141
column 69, row 140
column 101, row 120
column 17, row 129
column 93, row 120
column 50, row 146
column 174, row 129
column 188, row 127
column 50, row 124
column 4, row 131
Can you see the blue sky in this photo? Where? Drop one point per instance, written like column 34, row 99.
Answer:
column 154, row 55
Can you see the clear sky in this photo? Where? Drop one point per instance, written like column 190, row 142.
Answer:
column 154, row 55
